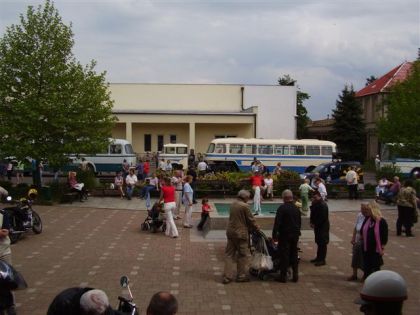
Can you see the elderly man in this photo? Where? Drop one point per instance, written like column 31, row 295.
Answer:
column 241, row 222
column 162, row 303
column 286, row 231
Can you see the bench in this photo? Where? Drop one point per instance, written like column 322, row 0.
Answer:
column 69, row 196
column 341, row 191
column 212, row 186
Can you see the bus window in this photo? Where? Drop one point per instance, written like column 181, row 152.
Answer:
column 312, row 150
column 265, row 149
column 170, row 150
column 297, row 150
column 250, row 149
column 211, row 148
column 115, row 149
column 281, row 149
column 326, row 150
column 236, row 148
column 128, row 149
column 220, row 148
column 181, row 150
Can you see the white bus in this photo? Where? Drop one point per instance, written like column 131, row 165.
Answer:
column 409, row 166
column 177, row 153
column 108, row 161
column 238, row 153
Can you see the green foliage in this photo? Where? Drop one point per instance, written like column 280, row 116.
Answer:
column 50, row 105
column 388, row 171
column 301, row 111
column 349, row 128
column 402, row 124
column 86, row 177
column 370, row 80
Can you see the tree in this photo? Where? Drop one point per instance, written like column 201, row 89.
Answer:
column 371, row 79
column 401, row 124
column 50, row 105
column 301, row 111
column 349, row 128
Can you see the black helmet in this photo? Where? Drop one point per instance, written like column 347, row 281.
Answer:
column 11, row 279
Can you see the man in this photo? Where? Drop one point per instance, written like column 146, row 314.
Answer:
column 178, row 183
column 352, row 183
column 256, row 184
column 286, row 232
column 383, row 293
column 321, row 225
column 130, row 182
column 241, row 222
column 320, row 187
column 202, row 168
column 162, row 303
column 393, row 190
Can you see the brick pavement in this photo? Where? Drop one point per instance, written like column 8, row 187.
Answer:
column 94, row 247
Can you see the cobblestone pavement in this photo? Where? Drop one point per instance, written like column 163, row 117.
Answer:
column 84, row 246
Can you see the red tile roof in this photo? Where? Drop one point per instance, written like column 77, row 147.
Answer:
column 381, row 85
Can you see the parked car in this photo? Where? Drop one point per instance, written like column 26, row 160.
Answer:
column 334, row 172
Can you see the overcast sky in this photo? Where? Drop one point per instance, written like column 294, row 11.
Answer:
column 322, row 44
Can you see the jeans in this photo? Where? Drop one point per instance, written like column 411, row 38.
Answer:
column 129, row 191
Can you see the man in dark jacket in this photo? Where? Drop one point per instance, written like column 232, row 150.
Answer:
column 321, row 225
column 286, row 232
column 241, row 223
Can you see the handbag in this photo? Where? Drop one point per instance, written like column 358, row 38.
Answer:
column 261, row 260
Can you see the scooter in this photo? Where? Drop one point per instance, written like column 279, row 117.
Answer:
column 22, row 219
column 127, row 305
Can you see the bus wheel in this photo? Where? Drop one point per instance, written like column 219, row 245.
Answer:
column 91, row 168
column 415, row 173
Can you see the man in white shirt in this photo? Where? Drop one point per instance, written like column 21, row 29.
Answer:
column 321, row 188
column 352, row 183
column 202, row 168
column 177, row 182
column 130, row 181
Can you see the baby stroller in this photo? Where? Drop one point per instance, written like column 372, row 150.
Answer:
column 155, row 219
column 261, row 245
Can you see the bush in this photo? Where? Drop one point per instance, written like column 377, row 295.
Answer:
column 87, row 177
column 388, row 171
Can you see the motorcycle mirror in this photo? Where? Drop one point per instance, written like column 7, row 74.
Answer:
column 9, row 198
column 124, row 281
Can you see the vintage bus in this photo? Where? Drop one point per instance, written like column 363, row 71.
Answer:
column 177, row 153
column 237, row 154
column 408, row 165
column 108, row 161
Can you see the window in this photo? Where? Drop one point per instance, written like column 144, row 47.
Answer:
column 170, row 150
column 220, row 148
column 236, row 148
column 312, row 150
column 181, row 150
column 147, row 143
column 281, row 149
column 172, row 139
column 250, row 149
column 129, row 149
column 211, row 148
column 115, row 149
column 160, row 143
column 326, row 150
column 297, row 150
column 265, row 149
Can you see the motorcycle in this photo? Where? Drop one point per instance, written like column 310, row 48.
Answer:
column 127, row 305
column 23, row 218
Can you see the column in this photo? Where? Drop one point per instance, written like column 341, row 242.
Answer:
column 192, row 135
column 129, row 132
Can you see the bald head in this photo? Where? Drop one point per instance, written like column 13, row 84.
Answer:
column 162, row 303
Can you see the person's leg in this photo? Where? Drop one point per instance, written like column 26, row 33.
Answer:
column 293, row 259
column 257, row 200
column 321, row 253
column 230, row 253
column 204, row 216
column 171, row 229
column 243, row 260
column 399, row 221
column 148, row 203
column 284, row 257
column 187, row 216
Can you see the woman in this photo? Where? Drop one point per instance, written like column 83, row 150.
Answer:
column 357, row 255
column 167, row 194
column 78, row 187
column 374, row 236
column 118, row 183
column 407, row 207
column 188, row 201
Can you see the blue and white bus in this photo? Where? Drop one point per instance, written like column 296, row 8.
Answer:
column 108, row 161
column 236, row 154
column 408, row 165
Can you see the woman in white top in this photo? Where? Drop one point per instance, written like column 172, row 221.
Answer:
column 357, row 254
column 268, row 181
column 188, row 201
column 382, row 187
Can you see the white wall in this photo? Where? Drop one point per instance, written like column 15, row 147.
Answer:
column 276, row 110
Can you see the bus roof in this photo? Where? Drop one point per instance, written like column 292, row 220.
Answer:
column 170, row 145
column 271, row 141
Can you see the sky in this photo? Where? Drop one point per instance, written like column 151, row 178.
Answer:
column 323, row 44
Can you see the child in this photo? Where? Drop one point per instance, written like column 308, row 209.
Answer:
column 268, row 181
column 304, row 190
column 118, row 182
column 205, row 213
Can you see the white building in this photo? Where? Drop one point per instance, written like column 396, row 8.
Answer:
column 150, row 115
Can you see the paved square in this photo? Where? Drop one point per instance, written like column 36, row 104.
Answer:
column 84, row 246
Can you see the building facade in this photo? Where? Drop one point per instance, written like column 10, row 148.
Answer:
column 151, row 115
column 373, row 98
